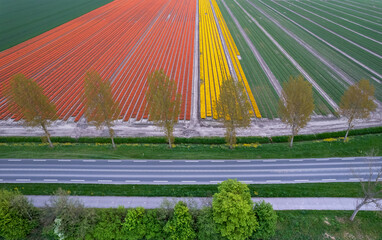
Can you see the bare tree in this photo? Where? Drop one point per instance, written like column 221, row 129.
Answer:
column 233, row 108
column 26, row 98
column 371, row 188
column 100, row 108
column 357, row 103
column 163, row 102
column 296, row 104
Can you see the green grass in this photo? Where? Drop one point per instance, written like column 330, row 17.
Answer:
column 357, row 146
column 23, row 19
column 311, row 225
column 352, row 189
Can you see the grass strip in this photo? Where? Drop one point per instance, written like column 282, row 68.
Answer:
column 302, row 225
column 351, row 189
column 331, row 147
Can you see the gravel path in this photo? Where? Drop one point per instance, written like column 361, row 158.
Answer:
column 155, row 202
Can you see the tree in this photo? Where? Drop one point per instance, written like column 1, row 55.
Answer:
column 371, row 188
column 357, row 103
column 108, row 224
column 179, row 227
column 17, row 215
column 296, row 104
column 65, row 217
column 207, row 228
column 163, row 102
column 134, row 225
column 233, row 108
column 100, row 108
column 233, row 210
column 267, row 219
column 27, row 99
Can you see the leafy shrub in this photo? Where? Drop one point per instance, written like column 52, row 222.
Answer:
column 207, row 229
column 154, row 225
column 179, row 227
column 267, row 219
column 108, row 224
column 17, row 215
column 66, row 218
column 134, row 227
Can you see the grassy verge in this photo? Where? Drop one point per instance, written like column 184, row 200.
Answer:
column 304, row 225
column 333, row 147
column 257, row 190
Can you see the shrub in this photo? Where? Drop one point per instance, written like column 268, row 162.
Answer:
column 154, row 225
column 267, row 219
column 108, row 224
column 179, row 227
column 207, row 229
column 17, row 215
column 134, row 227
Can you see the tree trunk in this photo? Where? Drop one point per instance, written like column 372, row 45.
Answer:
column 347, row 132
column 169, row 140
column 111, row 134
column 356, row 210
column 47, row 134
column 291, row 141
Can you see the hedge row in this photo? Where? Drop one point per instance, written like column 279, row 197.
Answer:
column 195, row 140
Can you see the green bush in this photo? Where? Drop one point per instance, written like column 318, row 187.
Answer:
column 179, row 227
column 207, row 229
column 134, row 227
column 17, row 215
column 267, row 219
column 108, row 224
column 233, row 210
column 154, row 225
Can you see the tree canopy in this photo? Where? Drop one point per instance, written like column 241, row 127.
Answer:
column 357, row 102
column 179, row 227
column 100, row 108
column 163, row 102
column 27, row 99
column 233, row 210
column 296, row 104
column 233, row 108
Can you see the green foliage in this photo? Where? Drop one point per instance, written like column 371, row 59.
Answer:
column 154, row 225
column 164, row 103
column 267, row 219
column 179, row 227
column 233, row 210
column 207, row 229
column 233, row 108
column 108, row 224
column 17, row 215
column 134, row 226
column 66, row 217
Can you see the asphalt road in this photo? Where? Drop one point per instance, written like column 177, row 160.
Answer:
column 184, row 171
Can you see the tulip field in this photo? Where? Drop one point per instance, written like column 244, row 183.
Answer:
column 198, row 43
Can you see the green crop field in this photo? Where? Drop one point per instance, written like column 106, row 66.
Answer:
column 334, row 47
column 23, row 19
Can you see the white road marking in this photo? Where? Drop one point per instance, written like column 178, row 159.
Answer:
column 23, row 180
column 344, row 159
column 114, row 161
column 216, row 181
column 105, row 181
column 160, row 181
column 192, row 161
column 139, row 161
column 50, row 180
column 88, row 160
column 246, row 181
column 269, row 160
column 243, row 160
column 1, row 180
column 77, row 180
column 302, row 180
column 329, row 179
column 323, row 159
column 188, row 181
column 165, row 161
column 273, row 181
column 64, row 160
column 39, row 160
column 132, row 181
column 356, row 179
column 14, row 160
column 295, row 160
column 217, row 161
